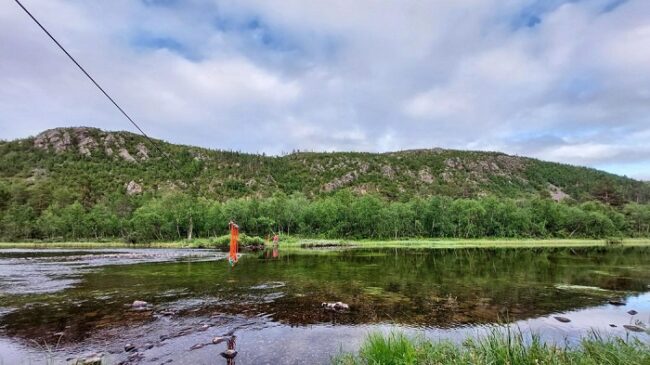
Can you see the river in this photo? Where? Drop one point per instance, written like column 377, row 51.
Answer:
column 59, row 305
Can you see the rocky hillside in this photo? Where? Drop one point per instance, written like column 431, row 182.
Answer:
column 91, row 164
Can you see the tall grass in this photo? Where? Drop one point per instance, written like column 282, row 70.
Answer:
column 497, row 348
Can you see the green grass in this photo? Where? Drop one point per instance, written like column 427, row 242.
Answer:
column 298, row 242
column 499, row 347
column 461, row 243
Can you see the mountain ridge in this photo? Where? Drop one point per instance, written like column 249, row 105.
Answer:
column 68, row 154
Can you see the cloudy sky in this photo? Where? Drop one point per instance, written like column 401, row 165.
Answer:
column 565, row 81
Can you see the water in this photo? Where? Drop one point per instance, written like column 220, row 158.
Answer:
column 58, row 305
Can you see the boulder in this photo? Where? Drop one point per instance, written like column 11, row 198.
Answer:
column 335, row 306
column 139, row 304
column 633, row 328
column 229, row 354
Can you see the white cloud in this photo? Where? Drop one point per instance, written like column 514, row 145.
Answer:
column 362, row 75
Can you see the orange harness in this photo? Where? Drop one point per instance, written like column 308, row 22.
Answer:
column 234, row 239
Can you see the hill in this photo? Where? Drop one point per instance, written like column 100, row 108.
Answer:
column 98, row 163
column 77, row 183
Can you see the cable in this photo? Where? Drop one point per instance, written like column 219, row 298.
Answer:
column 93, row 80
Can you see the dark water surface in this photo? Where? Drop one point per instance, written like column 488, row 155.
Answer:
column 58, row 305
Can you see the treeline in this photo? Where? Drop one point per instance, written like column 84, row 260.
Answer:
column 177, row 216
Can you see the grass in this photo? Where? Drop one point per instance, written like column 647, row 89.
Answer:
column 298, row 242
column 462, row 243
column 498, row 347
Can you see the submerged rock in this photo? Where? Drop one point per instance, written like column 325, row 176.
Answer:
column 617, row 301
column 96, row 360
column 218, row 340
column 93, row 359
column 562, row 319
column 197, row 346
column 139, row 304
column 229, row 354
column 632, row 312
column 633, row 328
column 335, row 306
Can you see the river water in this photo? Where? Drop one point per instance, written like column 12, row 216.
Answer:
column 60, row 305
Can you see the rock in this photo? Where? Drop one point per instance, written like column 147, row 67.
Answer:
column 94, row 360
column 617, row 301
column 133, row 188
column 425, row 176
column 204, row 327
column 148, row 346
column 197, row 346
column 633, row 328
column 139, row 303
column 218, row 340
column 129, row 347
column 632, row 312
column 340, row 182
column 125, row 155
column 229, row 354
column 335, row 306
column 562, row 319
column 143, row 152
column 135, row 357
column 612, row 325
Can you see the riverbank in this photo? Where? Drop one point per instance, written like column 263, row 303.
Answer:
column 496, row 348
column 299, row 242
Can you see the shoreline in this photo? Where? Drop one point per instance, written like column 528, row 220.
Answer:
column 297, row 242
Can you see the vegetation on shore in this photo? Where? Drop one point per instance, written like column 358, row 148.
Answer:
column 222, row 242
column 496, row 348
column 343, row 215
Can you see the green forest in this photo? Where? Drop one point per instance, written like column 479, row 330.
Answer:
column 343, row 215
column 87, row 184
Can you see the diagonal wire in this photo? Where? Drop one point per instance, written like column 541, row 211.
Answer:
column 93, row 80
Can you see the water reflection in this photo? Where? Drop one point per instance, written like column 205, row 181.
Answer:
column 272, row 253
column 273, row 297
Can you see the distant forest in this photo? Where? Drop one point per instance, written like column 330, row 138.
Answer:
column 179, row 216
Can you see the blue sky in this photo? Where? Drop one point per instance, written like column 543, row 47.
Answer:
column 566, row 81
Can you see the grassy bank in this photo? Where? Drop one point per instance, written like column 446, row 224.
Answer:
column 462, row 243
column 496, row 348
column 298, row 242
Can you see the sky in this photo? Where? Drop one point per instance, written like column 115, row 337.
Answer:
column 565, row 81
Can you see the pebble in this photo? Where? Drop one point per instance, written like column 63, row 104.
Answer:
column 562, row 319
column 632, row 312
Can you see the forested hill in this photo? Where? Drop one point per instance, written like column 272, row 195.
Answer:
column 88, row 165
